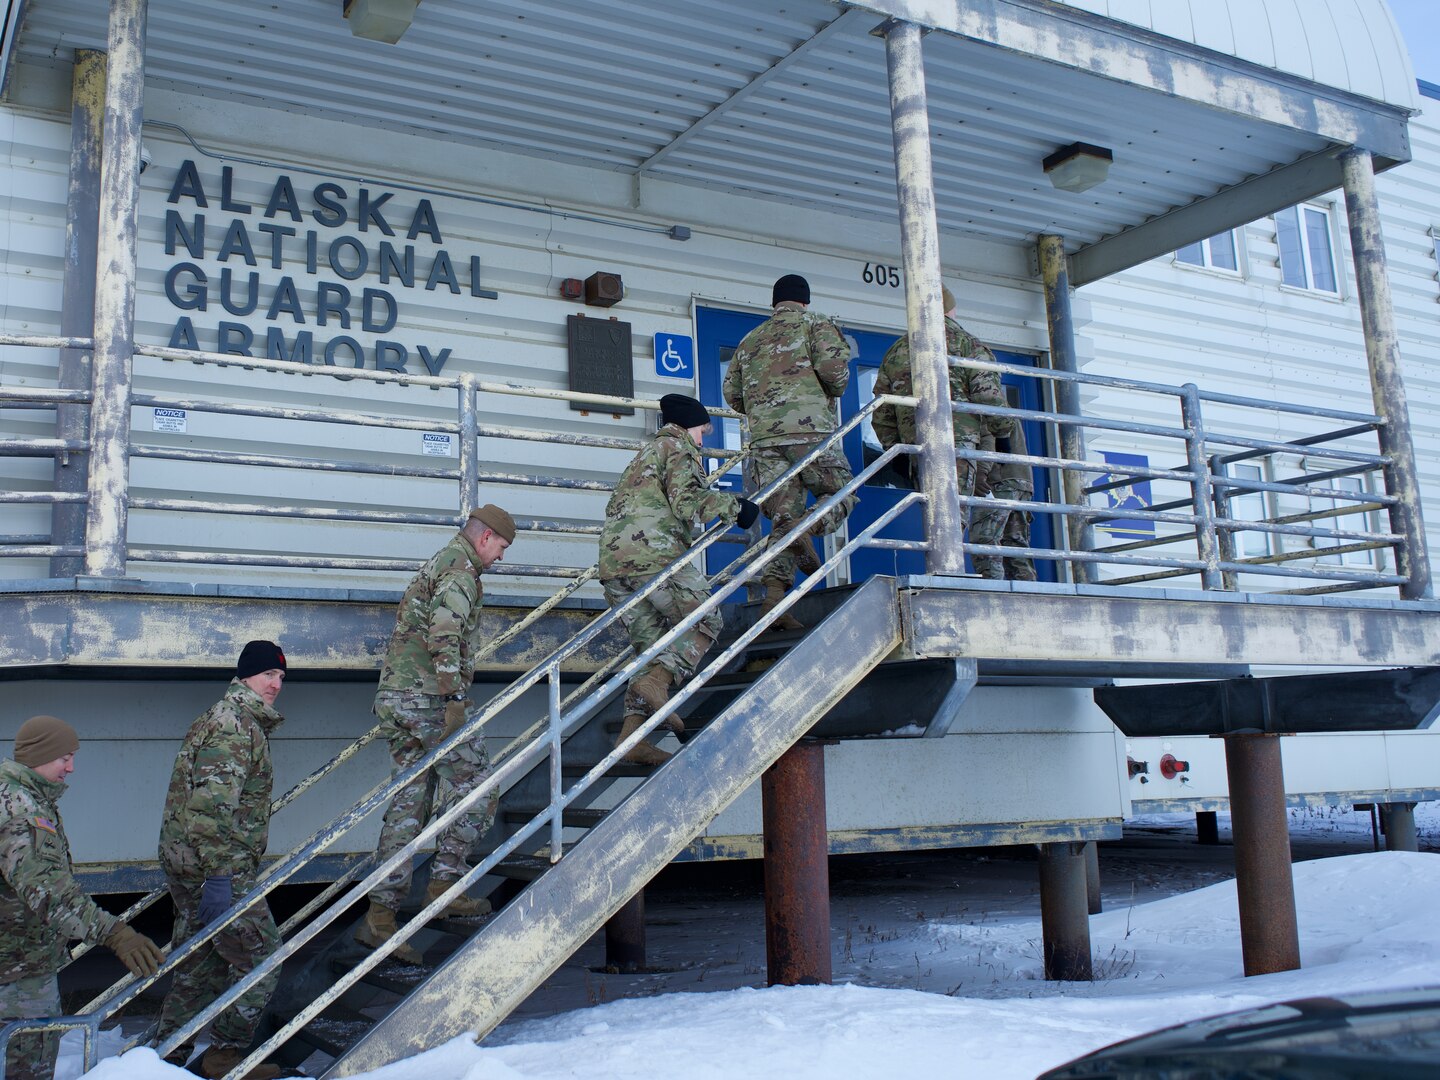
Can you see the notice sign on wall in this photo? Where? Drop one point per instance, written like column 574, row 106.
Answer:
column 172, row 420
column 600, row 361
column 437, row 444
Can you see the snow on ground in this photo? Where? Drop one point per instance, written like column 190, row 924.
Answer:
column 1366, row 922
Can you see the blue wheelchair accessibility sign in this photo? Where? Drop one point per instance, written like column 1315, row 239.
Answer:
column 675, row 357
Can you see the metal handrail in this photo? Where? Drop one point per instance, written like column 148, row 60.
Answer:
column 286, row 867
column 561, row 724
column 519, row 763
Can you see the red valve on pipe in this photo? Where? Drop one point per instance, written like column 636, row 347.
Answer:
column 1171, row 766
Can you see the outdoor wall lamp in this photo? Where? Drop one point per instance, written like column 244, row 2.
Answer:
column 380, row 20
column 1078, row 167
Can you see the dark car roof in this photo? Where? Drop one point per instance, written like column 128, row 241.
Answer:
column 1379, row 1035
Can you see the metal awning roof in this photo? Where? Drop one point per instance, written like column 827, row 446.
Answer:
column 787, row 100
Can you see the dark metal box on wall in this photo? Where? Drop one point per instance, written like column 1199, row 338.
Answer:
column 600, row 361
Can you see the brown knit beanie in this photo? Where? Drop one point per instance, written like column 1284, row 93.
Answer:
column 42, row 739
column 496, row 520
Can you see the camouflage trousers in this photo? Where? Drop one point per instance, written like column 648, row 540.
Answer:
column 31, row 1057
column 650, row 619
column 822, row 478
column 995, row 526
column 413, row 724
column 965, row 469
column 226, row 958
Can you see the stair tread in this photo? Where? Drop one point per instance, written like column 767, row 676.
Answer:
column 624, row 768
column 581, row 817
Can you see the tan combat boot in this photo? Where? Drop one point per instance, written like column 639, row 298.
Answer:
column 653, row 688
column 219, row 1061
column 462, row 907
column 379, row 927
column 642, row 753
column 806, row 559
column 774, row 593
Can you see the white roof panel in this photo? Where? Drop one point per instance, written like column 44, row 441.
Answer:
column 789, row 102
column 1352, row 45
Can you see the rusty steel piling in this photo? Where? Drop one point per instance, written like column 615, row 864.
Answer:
column 797, row 868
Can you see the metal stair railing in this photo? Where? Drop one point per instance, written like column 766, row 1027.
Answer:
column 521, row 761
column 561, row 725
column 560, row 799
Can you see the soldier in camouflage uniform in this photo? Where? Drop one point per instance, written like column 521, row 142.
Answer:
column 649, row 522
column 896, row 424
column 787, row 376
column 422, row 699
column 212, row 836
column 41, row 906
column 996, row 525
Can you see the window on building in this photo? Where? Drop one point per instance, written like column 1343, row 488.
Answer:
column 1307, row 255
column 1219, row 252
column 1352, row 521
column 1249, row 506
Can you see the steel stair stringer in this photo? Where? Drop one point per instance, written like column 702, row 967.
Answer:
column 478, row 986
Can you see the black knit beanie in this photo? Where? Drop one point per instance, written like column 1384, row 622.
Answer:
column 682, row 410
column 258, row 656
column 790, row 287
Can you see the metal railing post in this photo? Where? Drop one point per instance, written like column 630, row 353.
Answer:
column 77, row 305
column 469, row 446
column 1382, row 351
column 920, row 252
column 1201, row 490
column 557, row 742
column 116, row 253
column 1229, row 579
column 1060, row 323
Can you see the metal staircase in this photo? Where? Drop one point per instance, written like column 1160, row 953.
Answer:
column 476, row 987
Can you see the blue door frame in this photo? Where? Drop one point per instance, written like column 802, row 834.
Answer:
column 718, row 331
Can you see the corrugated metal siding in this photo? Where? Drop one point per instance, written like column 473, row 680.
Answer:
column 1251, row 335
column 612, row 83
column 520, row 338
column 1352, row 44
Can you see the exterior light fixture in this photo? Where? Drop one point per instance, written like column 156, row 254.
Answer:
column 1078, row 167
column 380, row 20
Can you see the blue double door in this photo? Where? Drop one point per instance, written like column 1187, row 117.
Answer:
column 718, row 333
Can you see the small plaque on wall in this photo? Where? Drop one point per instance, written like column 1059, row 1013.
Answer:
column 600, row 361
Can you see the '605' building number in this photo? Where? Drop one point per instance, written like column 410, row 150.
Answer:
column 880, row 274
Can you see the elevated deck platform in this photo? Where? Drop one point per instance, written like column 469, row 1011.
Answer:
column 1019, row 632
column 1019, row 621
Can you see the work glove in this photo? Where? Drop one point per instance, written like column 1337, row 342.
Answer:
column 454, row 717
column 748, row 513
column 141, row 956
column 216, row 896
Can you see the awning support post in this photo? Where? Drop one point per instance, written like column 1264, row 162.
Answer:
column 117, row 248
column 924, row 314
column 1060, row 322
column 1382, row 350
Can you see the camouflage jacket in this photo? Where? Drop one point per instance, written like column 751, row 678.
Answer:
column 786, row 375
column 650, row 519
column 217, row 811
column 896, row 424
column 1009, row 478
column 432, row 650
column 41, row 906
